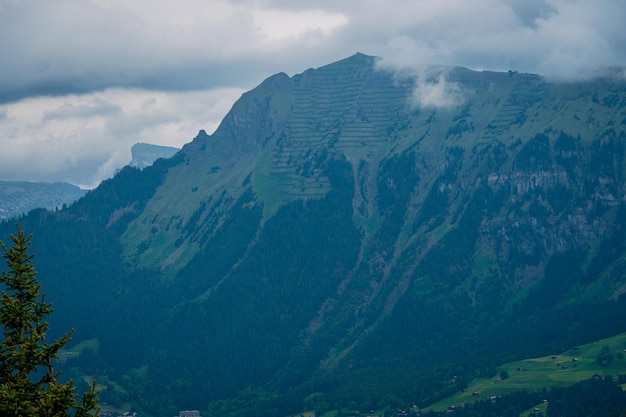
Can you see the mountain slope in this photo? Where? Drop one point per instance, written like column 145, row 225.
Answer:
column 356, row 234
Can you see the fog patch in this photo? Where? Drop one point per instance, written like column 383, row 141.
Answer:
column 433, row 90
column 431, row 87
column 85, row 138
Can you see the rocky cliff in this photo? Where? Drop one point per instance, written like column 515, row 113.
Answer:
column 144, row 154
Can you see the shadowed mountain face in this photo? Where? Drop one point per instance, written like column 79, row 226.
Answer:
column 351, row 235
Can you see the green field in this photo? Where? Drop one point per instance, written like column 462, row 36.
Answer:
column 560, row 369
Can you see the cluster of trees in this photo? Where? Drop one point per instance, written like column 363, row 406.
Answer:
column 29, row 384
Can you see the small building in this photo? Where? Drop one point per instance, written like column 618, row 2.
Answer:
column 189, row 413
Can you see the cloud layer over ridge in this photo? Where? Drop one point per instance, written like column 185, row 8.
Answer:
column 82, row 80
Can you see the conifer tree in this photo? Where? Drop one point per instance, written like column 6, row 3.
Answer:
column 28, row 380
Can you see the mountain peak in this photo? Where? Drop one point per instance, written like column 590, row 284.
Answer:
column 357, row 60
column 144, row 154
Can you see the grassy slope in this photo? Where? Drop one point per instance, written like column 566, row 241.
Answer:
column 535, row 374
column 531, row 374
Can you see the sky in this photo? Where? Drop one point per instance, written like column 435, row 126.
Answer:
column 81, row 81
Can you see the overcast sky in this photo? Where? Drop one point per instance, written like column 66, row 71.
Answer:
column 81, row 81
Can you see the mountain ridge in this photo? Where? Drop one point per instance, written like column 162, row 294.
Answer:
column 19, row 197
column 353, row 234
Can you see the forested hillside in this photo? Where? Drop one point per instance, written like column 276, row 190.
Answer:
column 344, row 240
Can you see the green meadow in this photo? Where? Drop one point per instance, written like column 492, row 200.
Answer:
column 560, row 369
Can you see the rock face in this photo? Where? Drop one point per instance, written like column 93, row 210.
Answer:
column 19, row 197
column 144, row 154
column 353, row 234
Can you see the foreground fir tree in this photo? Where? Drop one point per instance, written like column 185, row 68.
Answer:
column 28, row 381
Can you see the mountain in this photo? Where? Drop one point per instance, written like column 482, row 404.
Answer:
column 349, row 237
column 144, row 154
column 19, row 197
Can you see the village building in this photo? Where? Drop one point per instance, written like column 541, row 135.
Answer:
column 189, row 413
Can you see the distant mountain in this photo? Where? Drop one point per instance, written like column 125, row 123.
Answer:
column 19, row 197
column 349, row 238
column 144, row 154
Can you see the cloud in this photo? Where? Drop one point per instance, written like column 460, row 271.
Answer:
column 276, row 24
column 578, row 40
column 431, row 87
column 434, row 90
column 78, row 46
column 85, row 138
column 530, row 11
column 97, row 107
column 562, row 39
column 82, row 80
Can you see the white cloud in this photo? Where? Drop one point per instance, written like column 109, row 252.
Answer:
column 431, row 87
column 563, row 39
column 84, row 138
column 276, row 24
column 437, row 92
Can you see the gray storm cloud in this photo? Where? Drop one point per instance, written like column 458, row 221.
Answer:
column 74, row 46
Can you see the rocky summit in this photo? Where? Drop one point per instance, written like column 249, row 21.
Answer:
column 351, row 234
column 144, row 154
